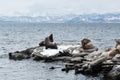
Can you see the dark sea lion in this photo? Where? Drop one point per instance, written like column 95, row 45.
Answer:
column 49, row 42
column 51, row 38
column 42, row 43
column 51, row 46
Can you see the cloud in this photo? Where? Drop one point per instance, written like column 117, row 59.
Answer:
column 10, row 7
column 52, row 7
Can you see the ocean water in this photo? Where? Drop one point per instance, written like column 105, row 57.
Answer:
column 19, row 36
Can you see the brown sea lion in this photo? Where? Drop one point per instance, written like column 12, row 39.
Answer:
column 87, row 44
column 114, row 52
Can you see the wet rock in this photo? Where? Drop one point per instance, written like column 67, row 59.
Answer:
column 114, row 74
column 80, row 55
column 68, row 67
column 36, row 55
column 24, row 54
column 116, row 58
column 63, row 58
column 76, row 60
column 52, row 68
column 63, row 53
column 18, row 56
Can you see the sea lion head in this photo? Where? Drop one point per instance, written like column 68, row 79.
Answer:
column 51, row 38
column 85, row 41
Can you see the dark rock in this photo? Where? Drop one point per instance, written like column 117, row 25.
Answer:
column 52, row 67
column 19, row 55
column 78, row 71
column 114, row 74
column 63, row 53
column 63, row 58
column 10, row 55
column 116, row 58
column 38, row 58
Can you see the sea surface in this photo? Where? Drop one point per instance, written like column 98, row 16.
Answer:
column 19, row 36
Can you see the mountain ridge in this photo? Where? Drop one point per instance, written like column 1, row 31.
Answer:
column 70, row 18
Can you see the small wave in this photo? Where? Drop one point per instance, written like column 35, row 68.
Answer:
column 4, row 56
column 70, row 40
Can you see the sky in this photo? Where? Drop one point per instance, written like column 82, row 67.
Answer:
column 57, row 7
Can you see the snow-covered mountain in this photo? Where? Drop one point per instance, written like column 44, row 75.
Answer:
column 96, row 18
column 70, row 18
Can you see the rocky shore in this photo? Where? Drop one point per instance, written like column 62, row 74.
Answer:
column 86, row 58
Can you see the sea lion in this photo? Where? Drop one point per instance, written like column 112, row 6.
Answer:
column 48, row 42
column 51, row 38
column 42, row 43
column 87, row 44
column 51, row 46
column 113, row 52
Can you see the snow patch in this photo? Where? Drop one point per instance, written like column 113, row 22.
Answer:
column 52, row 52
